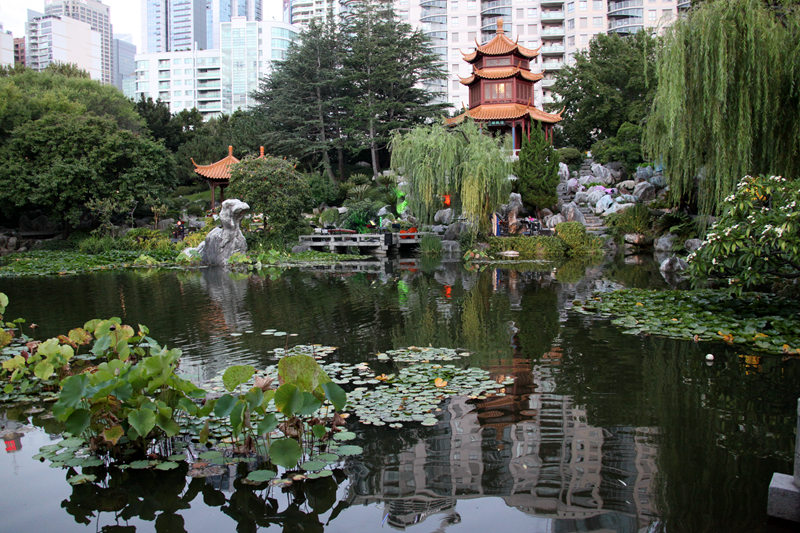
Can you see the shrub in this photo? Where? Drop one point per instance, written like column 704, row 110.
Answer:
column 97, row 245
column 329, row 217
column 626, row 147
column 577, row 240
column 196, row 209
column 146, row 239
column 193, row 240
column 537, row 172
column 322, row 189
column 430, row 245
column 572, row 157
column 636, row 219
column 537, row 247
column 678, row 223
column 359, row 214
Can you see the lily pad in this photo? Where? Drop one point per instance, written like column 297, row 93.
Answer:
column 78, row 479
column 260, row 476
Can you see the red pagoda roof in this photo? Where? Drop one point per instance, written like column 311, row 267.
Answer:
column 221, row 170
column 500, row 45
column 505, row 112
column 495, row 73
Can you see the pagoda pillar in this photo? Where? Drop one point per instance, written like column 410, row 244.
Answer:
column 212, row 187
column 513, row 137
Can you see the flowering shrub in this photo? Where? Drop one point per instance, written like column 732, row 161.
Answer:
column 756, row 242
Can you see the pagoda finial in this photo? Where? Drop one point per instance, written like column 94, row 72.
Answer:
column 230, row 150
column 262, row 151
column 500, row 30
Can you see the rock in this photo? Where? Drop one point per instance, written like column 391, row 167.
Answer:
column 451, row 247
column 595, row 194
column 165, row 223
column 11, row 243
column 603, row 204
column 658, row 180
column 195, row 223
column 546, row 212
column 443, row 216
column 611, row 245
column 644, row 191
column 664, row 243
column 573, row 185
column 625, row 199
column 300, row 248
column 617, row 170
column 581, row 197
column 225, row 241
column 555, row 220
column 563, row 172
column 643, row 173
column 693, row 244
column 602, row 174
column 616, row 208
column 562, row 188
column 637, row 239
column 455, row 230
column 673, row 264
column 383, row 211
column 439, row 229
column 572, row 213
column 587, row 179
column 628, row 185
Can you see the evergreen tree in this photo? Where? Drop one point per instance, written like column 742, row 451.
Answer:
column 728, row 100
column 537, row 171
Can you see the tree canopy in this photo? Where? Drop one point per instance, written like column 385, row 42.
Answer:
column 728, row 99
column 463, row 162
column 611, row 83
column 66, row 140
column 537, row 171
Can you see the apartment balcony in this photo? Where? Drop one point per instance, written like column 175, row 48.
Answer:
column 553, row 16
column 208, row 95
column 683, row 5
column 552, row 31
column 548, row 100
column 208, row 73
column 214, row 84
column 551, row 3
column 552, row 49
column 552, row 65
column 616, row 7
column 496, row 7
column 547, row 83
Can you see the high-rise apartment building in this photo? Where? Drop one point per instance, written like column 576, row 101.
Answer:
column 94, row 13
column 219, row 11
column 51, row 38
column 124, row 54
column 301, row 12
column 6, row 48
column 220, row 80
column 174, row 25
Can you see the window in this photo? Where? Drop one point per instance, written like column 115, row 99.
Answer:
column 532, row 29
column 583, row 5
column 597, row 22
column 584, row 22
column 571, row 40
column 520, row 13
column 454, row 21
column 523, row 92
column 455, row 85
column 471, row 21
column 531, row 12
column 497, row 91
column 570, row 7
column 454, row 67
column 598, row 4
column 571, row 24
column 454, row 37
column 496, row 61
column 651, row 14
column 520, row 29
column 666, row 14
column 584, row 38
column 472, row 36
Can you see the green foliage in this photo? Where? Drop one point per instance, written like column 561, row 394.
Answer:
column 147, row 239
column 756, row 241
column 430, row 245
column 572, row 157
column 359, row 214
column 579, row 243
column 322, row 189
column 636, row 219
column 470, row 166
column 537, row 171
column 272, row 186
column 728, row 101
column 329, row 216
column 678, row 223
column 611, row 83
column 625, row 147
column 537, row 247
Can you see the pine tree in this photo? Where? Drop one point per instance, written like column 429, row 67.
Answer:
column 537, row 171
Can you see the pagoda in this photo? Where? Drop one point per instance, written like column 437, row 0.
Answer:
column 501, row 89
column 218, row 174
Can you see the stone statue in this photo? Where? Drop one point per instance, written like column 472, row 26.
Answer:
column 222, row 243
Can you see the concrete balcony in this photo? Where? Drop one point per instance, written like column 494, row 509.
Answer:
column 552, row 65
column 552, row 16
column 552, row 31
column 547, row 83
column 552, row 49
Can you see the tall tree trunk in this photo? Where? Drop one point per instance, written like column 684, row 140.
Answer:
column 326, row 159
column 373, row 148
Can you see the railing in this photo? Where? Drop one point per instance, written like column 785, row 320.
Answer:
column 552, row 15
column 553, row 31
column 622, row 4
column 553, row 65
column 553, row 49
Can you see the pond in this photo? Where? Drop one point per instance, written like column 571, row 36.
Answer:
column 599, row 431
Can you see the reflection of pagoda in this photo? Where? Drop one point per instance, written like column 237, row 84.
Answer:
column 501, row 89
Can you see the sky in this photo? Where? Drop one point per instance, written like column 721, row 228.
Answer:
column 126, row 16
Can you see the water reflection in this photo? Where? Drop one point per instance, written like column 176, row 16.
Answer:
column 599, row 431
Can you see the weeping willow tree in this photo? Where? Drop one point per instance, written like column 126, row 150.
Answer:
column 463, row 162
column 728, row 99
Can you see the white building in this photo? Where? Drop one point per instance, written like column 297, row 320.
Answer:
column 96, row 14
column 6, row 48
column 219, row 11
column 63, row 39
column 217, row 81
column 173, row 25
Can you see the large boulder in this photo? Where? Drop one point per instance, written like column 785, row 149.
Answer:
column 573, row 185
column 221, row 243
column 644, row 191
column 383, row 211
column 563, row 171
column 672, row 265
column 616, row 169
column 451, row 247
column 555, row 220
column 603, row 204
column 595, row 194
column 581, row 197
column 602, row 174
column 692, row 245
column 657, row 180
column 443, row 216
column 455, row 230
column 637, row 239
column 165, row 223
column 572, row 213
column 616, row 208
column 664, row 243
column 627, row 185
column 644, row 173
column 300, row 248
column 625, row 199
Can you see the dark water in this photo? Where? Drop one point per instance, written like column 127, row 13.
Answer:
column 600, row 431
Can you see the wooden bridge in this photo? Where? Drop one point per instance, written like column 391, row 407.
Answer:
column 366, row 243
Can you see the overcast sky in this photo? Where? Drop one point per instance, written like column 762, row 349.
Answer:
column 126, row 16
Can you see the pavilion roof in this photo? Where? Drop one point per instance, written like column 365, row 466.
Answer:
column 498, row 46
column 496, row 73
column 505, row 112
column 221, row 170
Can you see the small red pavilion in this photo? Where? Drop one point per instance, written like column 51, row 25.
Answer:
column 219, row 174
column 501, row 89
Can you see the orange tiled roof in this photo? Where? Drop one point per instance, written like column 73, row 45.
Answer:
column 505, row 112
column 500, row 45
column 221, row 170
column 495, row 73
